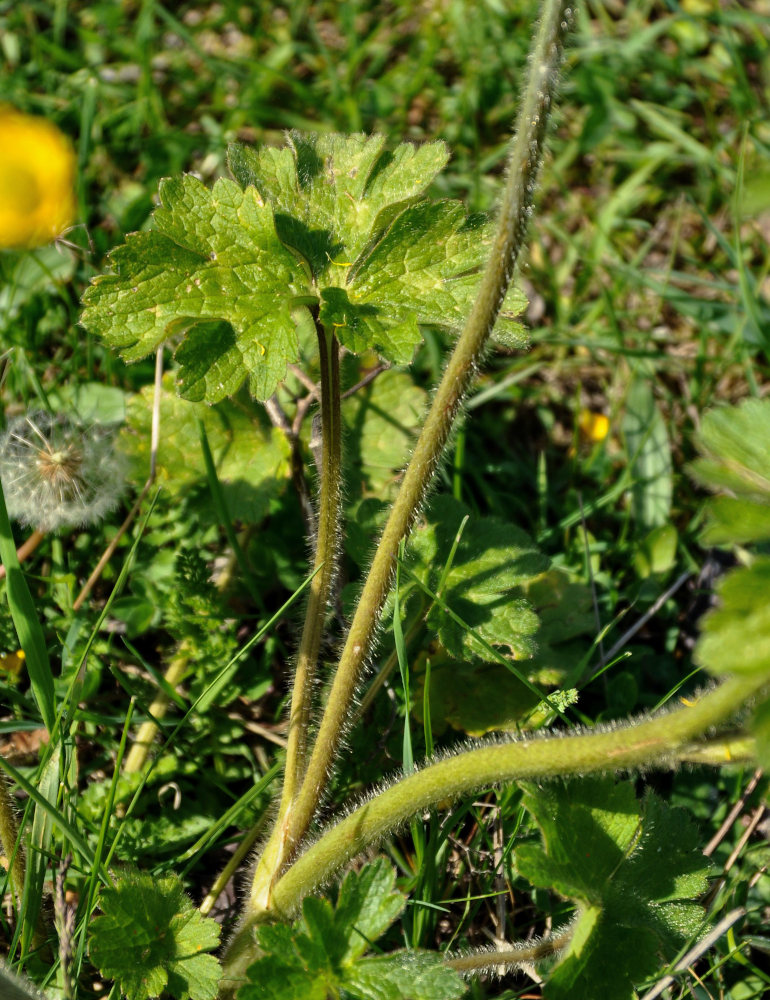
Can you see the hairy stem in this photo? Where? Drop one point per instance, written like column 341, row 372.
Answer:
column 282, row 842
column 9, row 840
column 523, row 167
column 502, row 959
column 651, row 741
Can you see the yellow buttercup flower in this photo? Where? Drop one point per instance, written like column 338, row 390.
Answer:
column 37, row 180
column 593, row 426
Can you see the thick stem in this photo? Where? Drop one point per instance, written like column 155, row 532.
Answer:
column 282, row 843
column 506, row 959
column 652, row 741
column 523, row 167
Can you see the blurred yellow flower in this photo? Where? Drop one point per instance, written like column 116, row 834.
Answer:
column 593, row 426
column 37, row 180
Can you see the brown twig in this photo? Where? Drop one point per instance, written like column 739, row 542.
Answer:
column 27, row 548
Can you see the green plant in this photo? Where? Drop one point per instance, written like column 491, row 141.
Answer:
column 250, row 273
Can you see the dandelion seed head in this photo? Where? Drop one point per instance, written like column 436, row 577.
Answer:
column 58, row 474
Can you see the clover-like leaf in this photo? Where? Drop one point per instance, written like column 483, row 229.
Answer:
column 323, row 953
column 151, row 939
column 634, row 872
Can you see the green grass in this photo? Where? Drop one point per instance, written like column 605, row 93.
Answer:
column 649, row 261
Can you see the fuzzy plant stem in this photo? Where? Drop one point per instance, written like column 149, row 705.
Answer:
column 9, row 840
column 281, row 843
column 506, row 959
column 523, row 167
column 653, row 741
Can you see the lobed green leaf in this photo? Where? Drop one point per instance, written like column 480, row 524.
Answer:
column 150, row 939
column 322, row 954
column 483, row 585
column 332, row 224
column 634, row 873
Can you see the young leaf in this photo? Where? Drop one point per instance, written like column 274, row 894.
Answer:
column 150, row 939
column 322, row 954
column 633, row 873
column 482, row 587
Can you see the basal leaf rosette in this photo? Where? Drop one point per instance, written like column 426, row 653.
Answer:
column 337, row 225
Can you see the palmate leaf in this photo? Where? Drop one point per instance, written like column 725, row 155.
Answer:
column 634, row 871
column 324, row 953
column 334, row 224
column 213, row 256
column 151, row 940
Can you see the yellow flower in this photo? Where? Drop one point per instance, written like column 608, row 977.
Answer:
column 37, row 179
column 593, row 426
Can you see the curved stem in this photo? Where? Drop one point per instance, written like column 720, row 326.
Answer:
column 523, row 168
column 651, row 741
column 282, row 842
